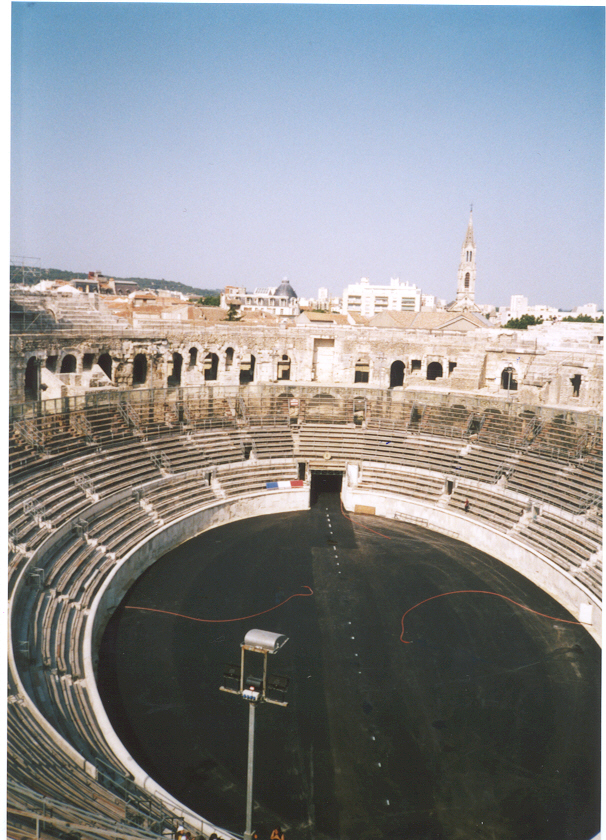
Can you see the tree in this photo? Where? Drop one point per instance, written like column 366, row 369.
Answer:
column 523, row 322
column 584, row 319
column 233, row 314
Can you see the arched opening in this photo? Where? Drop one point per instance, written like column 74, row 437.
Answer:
column 87, row 361
column 508, row 379
column 490, row 421
column 247, row 370
column 193, row 356
column 211, row 366
column 140, row 369
column 434, row 371
column 467, row 280
column 68, row 364
column 359, row 410
column 174, row 378
column 576, row 385
column 105, row 363
column 396, row 374
column 284, row 368
column 281, row 406
column 51, row 363
column 229, row 357
column 362, row 371
column 32, row 379
column 324, row 407
column 416, row 415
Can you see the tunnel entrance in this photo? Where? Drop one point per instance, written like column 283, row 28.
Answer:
column 325, row 483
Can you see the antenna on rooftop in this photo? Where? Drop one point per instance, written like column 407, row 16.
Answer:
column 31, row 264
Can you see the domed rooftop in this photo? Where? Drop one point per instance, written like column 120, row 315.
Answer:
column 285, row 290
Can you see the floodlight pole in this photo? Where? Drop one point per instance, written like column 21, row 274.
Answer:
column 263, row 642
column 249, row 777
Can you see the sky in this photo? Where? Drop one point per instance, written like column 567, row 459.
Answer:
column 216, row 144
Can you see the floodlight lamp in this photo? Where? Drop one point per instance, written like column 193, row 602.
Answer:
column 251, row 694
column 264, row 641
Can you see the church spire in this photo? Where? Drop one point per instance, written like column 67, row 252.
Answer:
column 466, row 277
column 469, row 235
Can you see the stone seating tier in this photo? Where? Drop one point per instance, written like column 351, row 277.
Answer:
column 207, row 463
column 399, row 481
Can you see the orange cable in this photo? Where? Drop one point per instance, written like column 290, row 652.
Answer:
column 225, row 620
column 483, row 592
column 361, row 525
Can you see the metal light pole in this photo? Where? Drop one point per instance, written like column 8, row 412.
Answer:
column 249, row 774
column 254, row 689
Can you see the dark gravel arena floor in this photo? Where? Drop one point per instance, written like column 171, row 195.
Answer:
column 486, row 726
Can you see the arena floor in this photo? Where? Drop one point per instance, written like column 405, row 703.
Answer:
column 485, row 726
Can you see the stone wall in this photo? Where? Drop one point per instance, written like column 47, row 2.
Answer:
column 551, row 366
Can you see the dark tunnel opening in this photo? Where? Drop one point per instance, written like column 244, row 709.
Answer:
column 324, row 483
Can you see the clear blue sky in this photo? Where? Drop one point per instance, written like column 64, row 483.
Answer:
column 213, row 144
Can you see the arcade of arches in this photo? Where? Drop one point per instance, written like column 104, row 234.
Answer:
column 465, row 363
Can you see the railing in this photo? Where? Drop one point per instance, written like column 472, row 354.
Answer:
column 335, row 403
column 29, row 808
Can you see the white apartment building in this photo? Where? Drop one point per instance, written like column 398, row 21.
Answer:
column 370, row 300
column 590, row 309
column 518, row 306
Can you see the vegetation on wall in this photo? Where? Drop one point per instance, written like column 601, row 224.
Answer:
column 523, row 322
column 233, row 313
column 585, row 319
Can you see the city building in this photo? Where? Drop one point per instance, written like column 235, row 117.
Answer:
column 369, row 300
column 518, row 307
column 276, row 300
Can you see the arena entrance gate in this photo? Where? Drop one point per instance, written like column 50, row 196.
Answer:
column 325, row 481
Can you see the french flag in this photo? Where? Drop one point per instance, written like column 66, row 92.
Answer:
column 283, row 485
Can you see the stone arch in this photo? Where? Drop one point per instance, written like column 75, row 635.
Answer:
column 460, row 415
column 229, row 357
column 105, row 363
column 434, row 371
column 282, row 404
column 527, row 414
column 174, row 380
column 359, row 410
column 284, row 368
column 68, row 364
column 211, row 366
column 193, row 356
column 247, row 369
column 323, row 407
column 362, row 370
column 32, row 379
column 140, row 369
column 396, row 374
column 576, row 384
column 508, row 379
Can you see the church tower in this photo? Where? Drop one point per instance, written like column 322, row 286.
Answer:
column 466, row 278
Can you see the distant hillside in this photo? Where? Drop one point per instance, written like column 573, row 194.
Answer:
column 30, row 276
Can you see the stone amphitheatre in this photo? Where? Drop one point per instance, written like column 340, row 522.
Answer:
column 125, row 443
